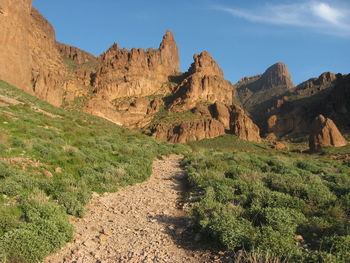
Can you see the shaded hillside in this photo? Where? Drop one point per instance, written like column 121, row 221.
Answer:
column 259, row 94
column 311, row 98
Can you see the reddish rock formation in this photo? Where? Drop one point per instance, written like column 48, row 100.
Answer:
column 262, row 94
column 77, row 55
column 276, row 75
column 202, row 110
column 136, row 72
column 117, row 85
column 30, row 59
column 221, row 113
column 48, row 71
column 243, row 126
column 186, row 131
column 315, row 85
column 293, row 113
column 324, row 133
column 287, row 122
column 15, row 43
column 205, row 82
column 128, row 112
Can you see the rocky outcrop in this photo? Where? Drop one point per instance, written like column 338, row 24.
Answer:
column 275, row 76
column 324, row 133
column 222, row 113
column 15, row 43
column 186, row 131
column 291, row 121
column 337, row 104
column 30, row 60
column 48, row 73
column 136, row 72
column 292, row 114
column 262, row 94
column 75, row 54
column 315, row 85
column 204, row 82
column 216, row 120
column 242, row 126
column 128, row 112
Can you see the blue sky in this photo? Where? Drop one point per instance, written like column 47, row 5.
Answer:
column 244, row 37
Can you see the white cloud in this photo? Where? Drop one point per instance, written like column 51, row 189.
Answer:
column 327, row 12
column 316, row 15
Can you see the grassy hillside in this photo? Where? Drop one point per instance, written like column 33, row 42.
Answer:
column 270, row 206
column 51, row 161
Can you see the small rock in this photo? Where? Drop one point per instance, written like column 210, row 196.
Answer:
column 58, row 170
column 48, row 174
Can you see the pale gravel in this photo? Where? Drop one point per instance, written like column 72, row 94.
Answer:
column 140, row 223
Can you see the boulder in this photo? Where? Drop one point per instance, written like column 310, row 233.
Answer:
column 243, row 126
column 324, row 133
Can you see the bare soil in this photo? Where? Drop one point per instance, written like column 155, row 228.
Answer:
column 140, row 223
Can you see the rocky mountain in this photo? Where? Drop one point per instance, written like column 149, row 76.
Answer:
column 281, row 109
column 29, row 56
column 137, row 72
column 260, row 94
column 204, row 82
column 299, row 108
column 145, row 89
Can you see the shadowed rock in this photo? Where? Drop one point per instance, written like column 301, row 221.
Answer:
column 324, row 133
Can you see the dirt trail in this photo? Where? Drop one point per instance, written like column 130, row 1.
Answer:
column 141, row 223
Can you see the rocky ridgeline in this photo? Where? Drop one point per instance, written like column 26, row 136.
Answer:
column 134, row 88
column 75, row 54
column 137, row 72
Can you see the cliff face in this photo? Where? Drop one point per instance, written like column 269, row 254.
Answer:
column 32, row 62
column 136, row 72
column 322, row 95
column 261, row 94
column 75, row 54
column 48, row 72
column 204, row 82
column 15, row 17
column 337, row 104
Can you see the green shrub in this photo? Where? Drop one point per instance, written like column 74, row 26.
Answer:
column 261, row 203
column 46, row 230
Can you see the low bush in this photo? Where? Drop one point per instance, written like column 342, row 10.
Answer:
column 60, row 159
column 274, row 207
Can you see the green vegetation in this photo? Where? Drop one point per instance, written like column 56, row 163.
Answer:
column 273, row 207
column 169, row 117
column 228, row 142
column 50, row 163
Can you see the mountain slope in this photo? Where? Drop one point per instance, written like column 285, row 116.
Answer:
column 50, row 163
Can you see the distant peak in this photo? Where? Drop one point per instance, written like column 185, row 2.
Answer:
column 279, row 66
column 206, row 64
column 168, row 35
column 168, row 40
column 277, row 75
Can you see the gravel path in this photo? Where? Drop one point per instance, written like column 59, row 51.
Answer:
column 140, row 223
